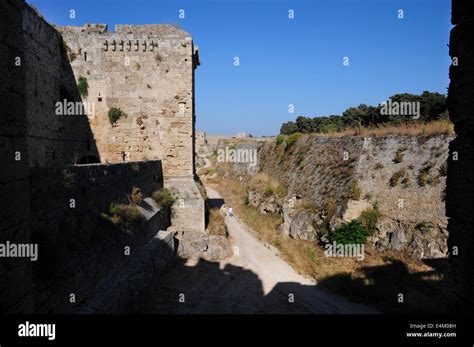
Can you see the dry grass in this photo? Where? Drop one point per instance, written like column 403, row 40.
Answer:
column 123, row 215
column 266, row 183
column 424, row 129
column 216, row 224
column 374, row 281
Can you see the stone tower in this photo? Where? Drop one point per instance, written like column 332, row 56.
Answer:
column 147, row 72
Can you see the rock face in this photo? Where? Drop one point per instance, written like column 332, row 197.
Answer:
column 422, row 240
column 404, row 176
column 301, row 226
column 355, row 208
column 264, row 204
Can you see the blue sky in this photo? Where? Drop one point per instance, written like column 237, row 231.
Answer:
column 290, row 61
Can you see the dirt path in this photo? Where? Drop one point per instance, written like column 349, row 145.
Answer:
column 253, row 280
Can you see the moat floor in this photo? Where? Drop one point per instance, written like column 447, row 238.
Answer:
column 253, row 280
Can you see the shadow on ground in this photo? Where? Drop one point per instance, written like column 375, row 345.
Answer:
column 206, row 288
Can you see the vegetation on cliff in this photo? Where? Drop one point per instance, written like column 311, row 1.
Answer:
column 432, row 107
column 163, row 197
column 115, row 114
column 83, row 86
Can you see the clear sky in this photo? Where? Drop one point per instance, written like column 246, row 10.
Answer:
column 290, row 61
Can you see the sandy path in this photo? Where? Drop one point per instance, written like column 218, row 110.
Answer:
column 254, row 280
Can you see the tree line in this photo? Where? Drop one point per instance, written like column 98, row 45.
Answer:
column 398, row 109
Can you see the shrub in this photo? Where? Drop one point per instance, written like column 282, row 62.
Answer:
column 378, row 166
column 291, row 140
column 115, row 114
column 163, row 197
column 350, row 233
column 424, row 177
column 268, row 191
column 130, row 214
column 355, row 192
column 246, row 199
column 399, row 156
column 406, row 180
column 279, row 139
column 443, row 170
column 368, row 219
column 310, row 253
column 397, row 176
column 123, row 215
column 136, row 196
column 83, row 86
column 280, row 191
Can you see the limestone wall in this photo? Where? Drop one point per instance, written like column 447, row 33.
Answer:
column 413, row 215
column 146, row 71
column 78, row 247
column 34, row 75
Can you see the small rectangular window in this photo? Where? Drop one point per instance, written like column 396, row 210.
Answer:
column 85, row 56
column 99, row 99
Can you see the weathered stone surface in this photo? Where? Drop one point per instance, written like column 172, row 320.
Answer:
column 148, row 72
column 355, row 208
column 122, row 289
column 315, row 169
column 264, row 204
column 77, row 247
column 192, row 244
column 37, row 144
column 188, row 209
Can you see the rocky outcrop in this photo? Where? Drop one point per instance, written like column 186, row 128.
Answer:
column 404, row 177
column 424, row 240
column 299, row 224
column 264, row 204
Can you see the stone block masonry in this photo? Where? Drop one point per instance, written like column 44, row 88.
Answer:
column 77, row 247
column 148, row 73
column 39, row 147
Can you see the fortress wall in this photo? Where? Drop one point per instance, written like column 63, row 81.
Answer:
column 52, row 139
column 460, row 187
column 78, row 248
column 34, row 75
column 413, row 216
column 147, row 72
